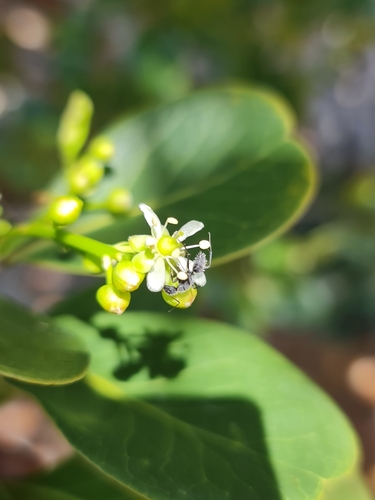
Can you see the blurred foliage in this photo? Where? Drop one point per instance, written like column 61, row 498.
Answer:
column 128, row 54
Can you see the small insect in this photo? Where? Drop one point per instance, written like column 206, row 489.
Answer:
column 194, row 274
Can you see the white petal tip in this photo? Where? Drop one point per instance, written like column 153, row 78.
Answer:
column 144, row 207
column 189, row 229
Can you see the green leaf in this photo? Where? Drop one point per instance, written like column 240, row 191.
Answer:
column 193, row 409
column 76, row 479
column 222, row 156
column 32, row 492
column 33, row 349
column 351, row 487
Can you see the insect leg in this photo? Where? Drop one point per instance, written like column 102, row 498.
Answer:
column 173, row 308
column 210, row 258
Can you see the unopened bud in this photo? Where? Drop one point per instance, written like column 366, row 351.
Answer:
column 143, row 261
column 125, row 277
column 181, row 300
column 138, row 242
column 93, row 264
column 65, row 210
column 123, row 246
column 119, row 201
column 85, row 175
column 111, row 300
column 74, row 125
column 102, row 148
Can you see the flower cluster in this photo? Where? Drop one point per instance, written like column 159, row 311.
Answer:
column 162, row 259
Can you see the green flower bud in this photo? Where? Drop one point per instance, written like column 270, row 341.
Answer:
column 74, row 125
column 65, row 210
column 5, row 227
column 111, row 300
column 85, row 175
column 93, row 264
column 181, row 300
column 125, row 277
column 166, row 245
column 102, row 148
column 138, row 242
column 119, row 201
column 124, row 246
column 143, row 261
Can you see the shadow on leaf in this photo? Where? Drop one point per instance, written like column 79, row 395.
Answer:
column 150, row 350
column 180, row 448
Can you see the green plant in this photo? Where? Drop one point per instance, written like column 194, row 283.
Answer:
column 168, row 405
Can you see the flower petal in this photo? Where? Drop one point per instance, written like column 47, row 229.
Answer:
column 189, row 229
column 156, row 277
column 152, row 220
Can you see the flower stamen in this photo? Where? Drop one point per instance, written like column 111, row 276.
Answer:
column 203, row 245
column 182, row 276
column 168, row 259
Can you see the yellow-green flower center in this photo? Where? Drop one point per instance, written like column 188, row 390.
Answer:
column 166, row 245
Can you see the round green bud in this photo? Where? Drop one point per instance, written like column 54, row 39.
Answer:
column 119, row 201
column 138, row 242
column 93, row 264
column 166, row 245
column 181, row 300
column 111, row 300
column 85, row 175
column 5, row 227
column 125, row 277
column 143, row 261
column 102, row 148
column 65, row 210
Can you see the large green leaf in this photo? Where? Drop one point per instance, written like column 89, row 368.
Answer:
column 33, row 349
column 222, row 156
column 351, row 487
column 192, row 409
column 34, row 492
column 73, row 480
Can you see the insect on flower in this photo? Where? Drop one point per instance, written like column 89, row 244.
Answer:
column 166, row 250
column 192, row 272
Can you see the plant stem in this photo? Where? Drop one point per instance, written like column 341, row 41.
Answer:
column 72, row 240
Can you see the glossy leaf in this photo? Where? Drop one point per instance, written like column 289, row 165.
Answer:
column 223, row 156
column 33, row 349
column 191, row 409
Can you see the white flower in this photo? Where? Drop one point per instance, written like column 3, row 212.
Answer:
column 167, row 250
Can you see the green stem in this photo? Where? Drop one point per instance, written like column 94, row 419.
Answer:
column 72, row 240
